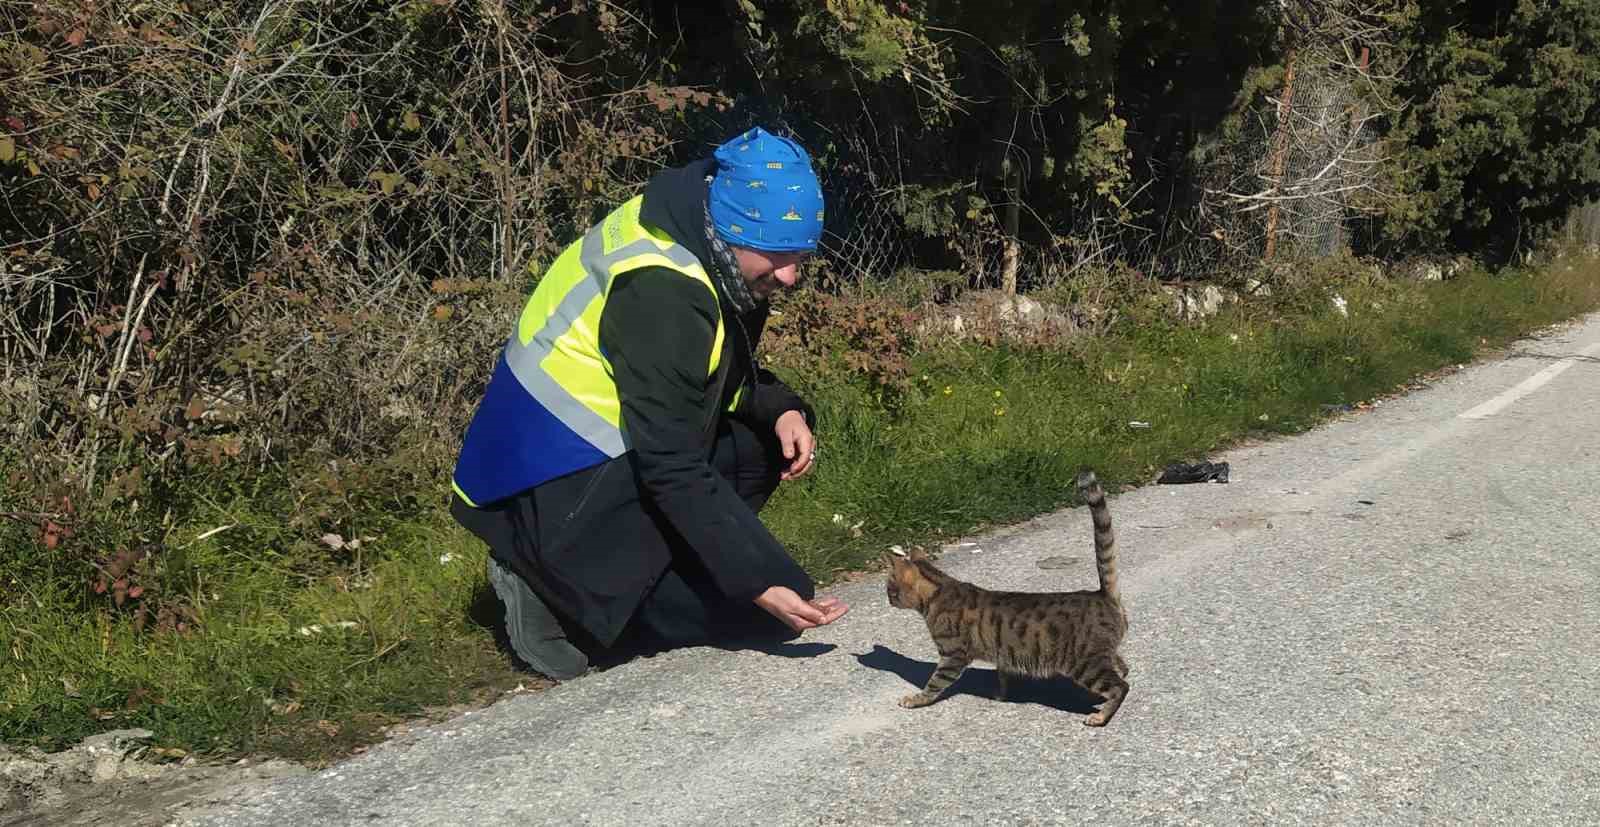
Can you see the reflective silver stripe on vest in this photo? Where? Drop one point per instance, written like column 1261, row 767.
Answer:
column 524, row 359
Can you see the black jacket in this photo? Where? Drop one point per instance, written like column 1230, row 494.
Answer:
column 600, row 538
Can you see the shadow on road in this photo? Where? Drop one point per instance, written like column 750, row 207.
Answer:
column 1056, row 693
column 626, row 652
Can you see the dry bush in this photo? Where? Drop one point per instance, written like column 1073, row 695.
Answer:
column 857, row 340
column 288, row 234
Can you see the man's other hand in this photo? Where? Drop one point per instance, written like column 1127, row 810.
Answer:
column 799, row 445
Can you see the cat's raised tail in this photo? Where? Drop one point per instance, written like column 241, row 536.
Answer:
column 1105, row 540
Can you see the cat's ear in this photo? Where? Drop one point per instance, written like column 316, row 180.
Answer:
column 917, row 553
column 896, row 556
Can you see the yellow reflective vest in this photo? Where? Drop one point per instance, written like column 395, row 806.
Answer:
column 551, row 406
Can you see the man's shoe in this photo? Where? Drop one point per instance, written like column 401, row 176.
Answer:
column 536, row 635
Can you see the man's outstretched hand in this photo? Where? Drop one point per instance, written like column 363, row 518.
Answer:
column 797, row 613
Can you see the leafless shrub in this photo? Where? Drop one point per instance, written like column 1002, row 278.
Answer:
column 287, row 229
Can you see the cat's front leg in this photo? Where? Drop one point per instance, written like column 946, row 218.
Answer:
column 949, row 669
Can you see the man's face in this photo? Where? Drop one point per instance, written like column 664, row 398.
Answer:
column 765, row 271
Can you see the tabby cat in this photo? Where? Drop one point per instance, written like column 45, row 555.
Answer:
column 1072, row 634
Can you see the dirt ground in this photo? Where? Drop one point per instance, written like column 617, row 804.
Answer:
column 119, row 778
column 113, row 778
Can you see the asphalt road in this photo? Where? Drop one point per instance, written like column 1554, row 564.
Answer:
column 1390, row 619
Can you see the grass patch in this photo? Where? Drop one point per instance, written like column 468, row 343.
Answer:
column 278, row 659
column 299, row 652
column 996, row 435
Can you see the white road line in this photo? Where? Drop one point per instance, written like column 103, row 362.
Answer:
column 1527, row 386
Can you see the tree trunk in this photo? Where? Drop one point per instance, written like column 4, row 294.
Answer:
column 1280, row 153
column 1008, row 267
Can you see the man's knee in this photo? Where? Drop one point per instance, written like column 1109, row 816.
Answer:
column 751, row 461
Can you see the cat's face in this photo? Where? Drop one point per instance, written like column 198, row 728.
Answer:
column 907, row 587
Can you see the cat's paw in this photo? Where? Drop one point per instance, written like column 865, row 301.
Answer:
column 915, row 700
column 1096, row 719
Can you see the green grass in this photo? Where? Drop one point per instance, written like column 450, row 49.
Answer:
column 997, row 435
column 988, row 436
column 279, row 660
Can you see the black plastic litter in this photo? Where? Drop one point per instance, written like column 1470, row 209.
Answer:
column 1180, row 473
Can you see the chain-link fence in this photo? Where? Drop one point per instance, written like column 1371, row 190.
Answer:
column 1583, row 226
column 1284, row 179
column 1324, row 162
column 865, row 235
column 879, row 225
column 1286, row 182
column 1289, row 180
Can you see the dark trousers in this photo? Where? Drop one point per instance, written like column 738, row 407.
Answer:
column 684, row 608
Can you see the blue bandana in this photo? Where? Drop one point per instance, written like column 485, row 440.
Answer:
column 765, row 194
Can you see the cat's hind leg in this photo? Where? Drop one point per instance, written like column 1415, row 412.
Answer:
column 1108, row 678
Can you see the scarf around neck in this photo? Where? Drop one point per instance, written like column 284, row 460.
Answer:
column 726, row 271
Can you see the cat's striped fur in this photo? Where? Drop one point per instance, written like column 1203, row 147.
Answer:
column 1037, row 634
